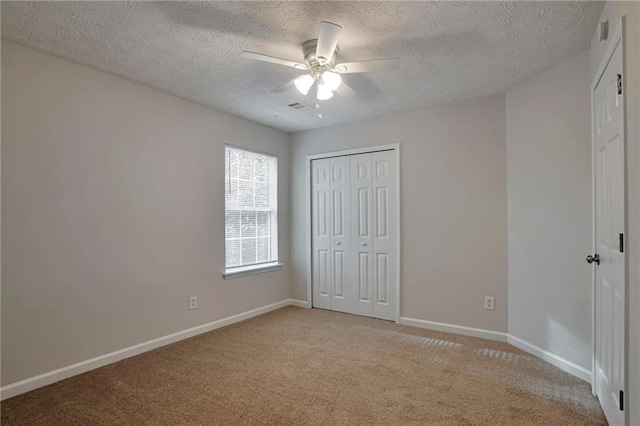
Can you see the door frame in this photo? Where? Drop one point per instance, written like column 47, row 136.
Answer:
column 618, row 38
column 364, row 150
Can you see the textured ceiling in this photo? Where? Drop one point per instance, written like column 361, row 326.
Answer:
column 447, row 50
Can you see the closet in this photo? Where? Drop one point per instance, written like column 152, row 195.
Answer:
column 354, row 225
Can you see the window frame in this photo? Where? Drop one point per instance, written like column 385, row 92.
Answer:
column 273, row 264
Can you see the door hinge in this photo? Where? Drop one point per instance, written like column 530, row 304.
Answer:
column 621, row 243
column 621, row 400
column 619, row 84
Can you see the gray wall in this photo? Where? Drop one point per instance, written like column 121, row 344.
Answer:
column 549, row 219
column 113, row 214
column 112, row 209
column 612, row 12
column 453, row 206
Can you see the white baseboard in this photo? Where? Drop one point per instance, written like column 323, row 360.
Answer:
column 456, row 329
column 50, row 377
column 561, row 363
column 298, row 303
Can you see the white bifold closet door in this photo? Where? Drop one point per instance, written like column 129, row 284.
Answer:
column 354, row 243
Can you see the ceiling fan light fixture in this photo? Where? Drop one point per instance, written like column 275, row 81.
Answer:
column 331, row 80
column 324, row 93
column 304, row 83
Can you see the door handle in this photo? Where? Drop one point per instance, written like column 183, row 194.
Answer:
column 364, row 244
column 595, row 258
column 339, row 243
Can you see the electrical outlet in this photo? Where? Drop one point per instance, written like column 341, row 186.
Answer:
column 489, row 303
column 193, row 302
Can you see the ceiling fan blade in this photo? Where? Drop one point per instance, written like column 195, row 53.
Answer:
column 285, row 87
column 327, row 41
column 273, row 60
column 345, row 91
column 368, row 66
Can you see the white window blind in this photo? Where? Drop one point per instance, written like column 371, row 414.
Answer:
column 250, row 208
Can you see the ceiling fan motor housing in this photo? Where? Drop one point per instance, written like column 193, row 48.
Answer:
column 309, row 51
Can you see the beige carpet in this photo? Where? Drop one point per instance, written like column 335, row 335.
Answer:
column 299, row 366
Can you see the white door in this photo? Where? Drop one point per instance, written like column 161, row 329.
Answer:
column 362, row 234
column 609, row 259
column 321, row 232
column 340, row 235
column 384, row 234
column 353, row 214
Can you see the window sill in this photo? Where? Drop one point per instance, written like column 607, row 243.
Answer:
column 250, row 270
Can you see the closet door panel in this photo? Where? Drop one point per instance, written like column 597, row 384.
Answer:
column 340, row 233
column 321, row 232
column 361, row 291
column 384, row 234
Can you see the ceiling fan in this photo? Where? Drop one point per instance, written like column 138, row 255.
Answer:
column 320, row 61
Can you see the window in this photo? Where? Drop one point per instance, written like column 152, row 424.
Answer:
column 251, row 222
